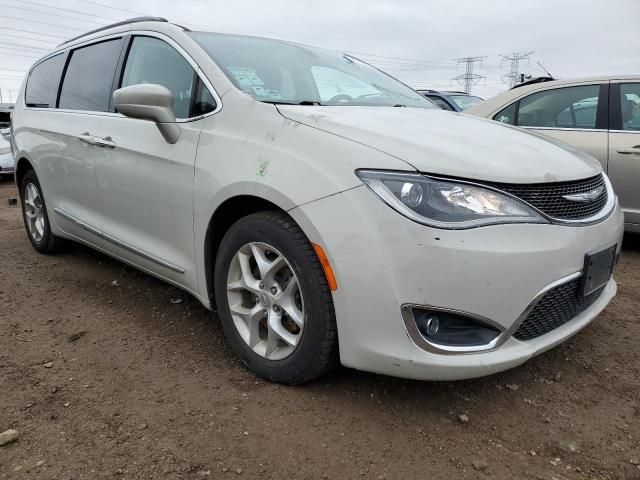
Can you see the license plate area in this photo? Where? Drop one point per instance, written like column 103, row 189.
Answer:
column 598, row 267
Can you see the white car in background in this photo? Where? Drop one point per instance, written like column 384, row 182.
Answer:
column 600, row 116
column 324, row 209
column 7, row 162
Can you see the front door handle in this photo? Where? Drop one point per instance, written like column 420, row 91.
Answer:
column 106, row 142
column 630, row 151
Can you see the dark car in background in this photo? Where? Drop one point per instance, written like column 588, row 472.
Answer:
column 453, row 101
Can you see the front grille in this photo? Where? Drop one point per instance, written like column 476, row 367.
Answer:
column 548, row 197
column 558, row 306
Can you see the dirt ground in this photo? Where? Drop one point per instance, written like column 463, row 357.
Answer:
column 140, row 387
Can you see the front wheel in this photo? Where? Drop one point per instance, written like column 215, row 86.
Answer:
column 274, row 301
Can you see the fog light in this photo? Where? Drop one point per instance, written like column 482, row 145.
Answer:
column 430, row 325
column 453, row 329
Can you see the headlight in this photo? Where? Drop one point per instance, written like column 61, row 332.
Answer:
column 446, row 204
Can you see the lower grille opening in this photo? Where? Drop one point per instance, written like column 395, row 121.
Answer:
column 557, row 307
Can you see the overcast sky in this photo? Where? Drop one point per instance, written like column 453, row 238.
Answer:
column 415, row 40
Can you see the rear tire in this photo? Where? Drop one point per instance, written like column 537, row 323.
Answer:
column 36, row 219
column 283, row 327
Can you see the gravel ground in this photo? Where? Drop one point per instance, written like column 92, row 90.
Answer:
column 105, row 374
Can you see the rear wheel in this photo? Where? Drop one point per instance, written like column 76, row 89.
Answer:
column 273, row 299
column 36, row 221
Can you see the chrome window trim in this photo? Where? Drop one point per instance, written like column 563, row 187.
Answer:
column 625, row 131
column 564, row 129
column 421, row 342
column 119, row 243
column 146, row 33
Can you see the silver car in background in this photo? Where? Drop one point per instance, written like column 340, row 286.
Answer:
column 7, row 162
column 600, row 116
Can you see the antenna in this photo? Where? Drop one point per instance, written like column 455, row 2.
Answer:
column 541, row 66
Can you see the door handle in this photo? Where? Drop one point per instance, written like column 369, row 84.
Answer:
column 630, row 151
column 86, row 138
column 106, row 142
column 89, row 139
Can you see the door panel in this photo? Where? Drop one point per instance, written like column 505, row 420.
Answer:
column 593, row 142
column 624, row 152
column 67, row 170
column 145, row 187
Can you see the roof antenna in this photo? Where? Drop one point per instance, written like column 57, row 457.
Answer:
column 551, row 76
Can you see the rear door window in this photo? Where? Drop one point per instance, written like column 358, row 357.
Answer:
column 42, row 85
column 88, row 80
column 568, row 107
column 630, row 106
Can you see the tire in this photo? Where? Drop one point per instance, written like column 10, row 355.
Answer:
column 41, row 237
column 273, row 235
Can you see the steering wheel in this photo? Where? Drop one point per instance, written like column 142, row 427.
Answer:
column 341, row 97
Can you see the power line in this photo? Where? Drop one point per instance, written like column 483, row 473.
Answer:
column 27, row 20
column 19, row 45
column 32, row 32
column 514, row 71
column 414, row 60
column 33, row 10
column 78, row 12
column 23, row 37
column 468, row 78
column 19, row 55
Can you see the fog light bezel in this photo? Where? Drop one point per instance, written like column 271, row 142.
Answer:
column 422, row 340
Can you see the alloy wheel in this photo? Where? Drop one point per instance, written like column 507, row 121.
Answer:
column 34, row 212
column 265, row 300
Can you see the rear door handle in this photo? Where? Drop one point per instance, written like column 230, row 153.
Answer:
column 630, row 151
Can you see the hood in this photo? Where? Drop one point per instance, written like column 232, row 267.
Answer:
column 451, row 144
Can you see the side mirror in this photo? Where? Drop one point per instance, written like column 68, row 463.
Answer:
column 149, row 102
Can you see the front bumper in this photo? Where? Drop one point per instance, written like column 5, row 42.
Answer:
column 383, row 261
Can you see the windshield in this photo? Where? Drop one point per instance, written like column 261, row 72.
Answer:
column 466, row 101
column 281, row 72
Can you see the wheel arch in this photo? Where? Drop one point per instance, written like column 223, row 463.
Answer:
column 23, row 165
column 225, row 215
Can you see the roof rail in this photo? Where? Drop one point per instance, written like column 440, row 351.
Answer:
column 117, row 24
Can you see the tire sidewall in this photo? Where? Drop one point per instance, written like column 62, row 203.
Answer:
column 260, row 229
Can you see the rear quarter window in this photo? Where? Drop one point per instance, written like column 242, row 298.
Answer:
column 42, row 84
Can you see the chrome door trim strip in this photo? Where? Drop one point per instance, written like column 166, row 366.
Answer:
column 563, row 129
column 118, row 243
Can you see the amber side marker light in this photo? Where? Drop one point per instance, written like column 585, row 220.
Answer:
column 326, row 266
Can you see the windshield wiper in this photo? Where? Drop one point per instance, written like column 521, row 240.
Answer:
column 303, row 102
column 398, row 105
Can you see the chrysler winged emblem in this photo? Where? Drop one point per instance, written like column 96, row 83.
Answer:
column 589, row 196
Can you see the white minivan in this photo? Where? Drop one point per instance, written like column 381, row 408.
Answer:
column 325, row 210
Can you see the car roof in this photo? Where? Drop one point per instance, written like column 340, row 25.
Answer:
column 501, row 100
